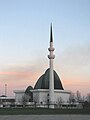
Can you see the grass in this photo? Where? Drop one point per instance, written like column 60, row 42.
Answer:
column 41, row 111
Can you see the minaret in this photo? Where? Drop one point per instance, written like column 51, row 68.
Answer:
column 51, row 74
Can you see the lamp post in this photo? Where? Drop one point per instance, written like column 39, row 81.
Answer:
column 5, row 89
column 5, row 92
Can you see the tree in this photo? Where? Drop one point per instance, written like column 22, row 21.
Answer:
column 88, row 97
column 24, row 101
column 72, row 98
column 60, row 101
column 78, row 96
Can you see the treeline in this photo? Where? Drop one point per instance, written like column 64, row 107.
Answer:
column 78, row 98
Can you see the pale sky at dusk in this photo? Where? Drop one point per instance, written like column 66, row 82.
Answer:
column 24, row 42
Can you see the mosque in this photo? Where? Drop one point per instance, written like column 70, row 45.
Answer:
column 48, row 90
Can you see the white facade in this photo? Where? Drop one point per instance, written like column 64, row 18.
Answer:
column 19, row 94
column 6, row 101
column 40, row 96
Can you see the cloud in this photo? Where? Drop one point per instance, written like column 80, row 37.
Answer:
column 20, row 73
column 20, row 77
column 75, row 60
column 77, row 55
column 73, row 66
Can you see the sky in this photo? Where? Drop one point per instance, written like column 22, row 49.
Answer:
column 24, row 42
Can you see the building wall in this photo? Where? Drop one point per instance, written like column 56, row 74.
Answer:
column 60, row 96
column 36, row 96
column 41, row 96
column 19, row 94
column 6, row 101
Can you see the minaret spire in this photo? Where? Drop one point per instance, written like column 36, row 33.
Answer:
column 51, row 74
column 51, row 36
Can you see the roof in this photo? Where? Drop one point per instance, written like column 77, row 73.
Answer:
column 28, row 89
column 43, row 81
column 51, row 36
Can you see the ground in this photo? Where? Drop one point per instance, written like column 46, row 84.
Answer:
column 43, row 111
column 45, row 117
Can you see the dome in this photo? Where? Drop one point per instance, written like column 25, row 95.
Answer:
column 29, row 94
column 28, row 89
column 43, row 81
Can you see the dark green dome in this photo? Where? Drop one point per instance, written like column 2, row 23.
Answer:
column 28, row 89
column 43, row 81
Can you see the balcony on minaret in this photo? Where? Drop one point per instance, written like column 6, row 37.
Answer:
column 51, row 49
column 51, row 56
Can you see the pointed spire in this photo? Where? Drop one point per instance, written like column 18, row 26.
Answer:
column 51, row 36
